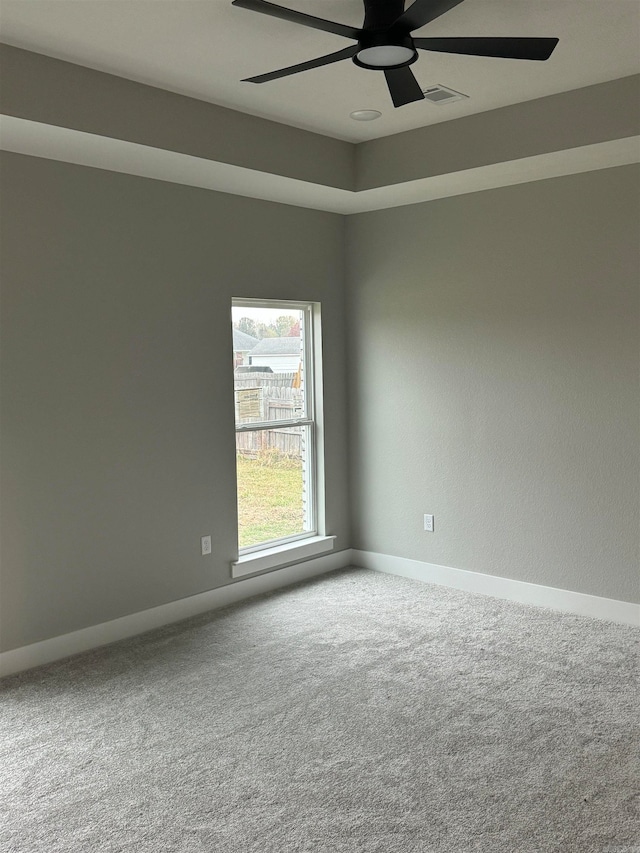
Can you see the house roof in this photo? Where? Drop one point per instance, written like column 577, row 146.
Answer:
column 242, row 342
column 277, row 346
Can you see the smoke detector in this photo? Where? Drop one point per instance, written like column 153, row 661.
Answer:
column 441, row 95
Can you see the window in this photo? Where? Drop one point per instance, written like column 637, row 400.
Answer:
column 275, row 398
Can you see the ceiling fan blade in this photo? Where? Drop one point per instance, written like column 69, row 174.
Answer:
column 422, row 12
column 507, row 48
column 347, row 53
column 297, row 17
column 403, row 86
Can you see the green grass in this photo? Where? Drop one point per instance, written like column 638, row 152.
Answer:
column 269, row 498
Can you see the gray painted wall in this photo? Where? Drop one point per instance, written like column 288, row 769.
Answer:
column 494, row 382
column 50, row 91
column 117, row 423
column 587, row 116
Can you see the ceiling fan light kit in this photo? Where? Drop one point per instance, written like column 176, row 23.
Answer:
column 378, row 57
column 384, row 42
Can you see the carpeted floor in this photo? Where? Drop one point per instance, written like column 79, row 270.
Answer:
column 356, row 713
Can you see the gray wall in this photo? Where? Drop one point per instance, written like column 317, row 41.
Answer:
column 50, row 91
column 494, row 382
column 587, row 116
column 117, row 430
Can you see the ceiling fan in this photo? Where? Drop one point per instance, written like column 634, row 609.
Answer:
column 384, row 42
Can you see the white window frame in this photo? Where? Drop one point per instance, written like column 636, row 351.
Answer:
column 276, row 553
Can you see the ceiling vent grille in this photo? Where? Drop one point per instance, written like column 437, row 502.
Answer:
column 441, row 95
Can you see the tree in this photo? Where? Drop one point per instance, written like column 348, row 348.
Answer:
column 246, row 325
column 264, row 331
column 282, row 326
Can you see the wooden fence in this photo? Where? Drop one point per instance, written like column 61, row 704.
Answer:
column 279, row 400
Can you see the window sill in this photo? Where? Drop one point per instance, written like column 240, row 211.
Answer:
column 281, row 555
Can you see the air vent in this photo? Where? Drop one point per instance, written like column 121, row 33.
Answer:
column 441, row 95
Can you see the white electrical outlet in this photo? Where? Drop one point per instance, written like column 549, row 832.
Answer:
column 428, row 523
column 205, row 545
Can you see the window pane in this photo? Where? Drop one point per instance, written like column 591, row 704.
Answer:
column 273, row 484
column 268, row 360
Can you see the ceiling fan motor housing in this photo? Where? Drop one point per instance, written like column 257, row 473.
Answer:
column 380, row 14
column 379, row 33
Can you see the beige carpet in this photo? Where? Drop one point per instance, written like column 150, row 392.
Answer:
column 358, row 713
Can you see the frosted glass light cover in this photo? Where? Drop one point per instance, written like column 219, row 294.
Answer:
column 385, row 55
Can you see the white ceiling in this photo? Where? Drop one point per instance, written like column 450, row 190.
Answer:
column 203, row 48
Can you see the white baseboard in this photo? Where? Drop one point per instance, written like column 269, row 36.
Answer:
column 527, row 593
column 65, row 645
